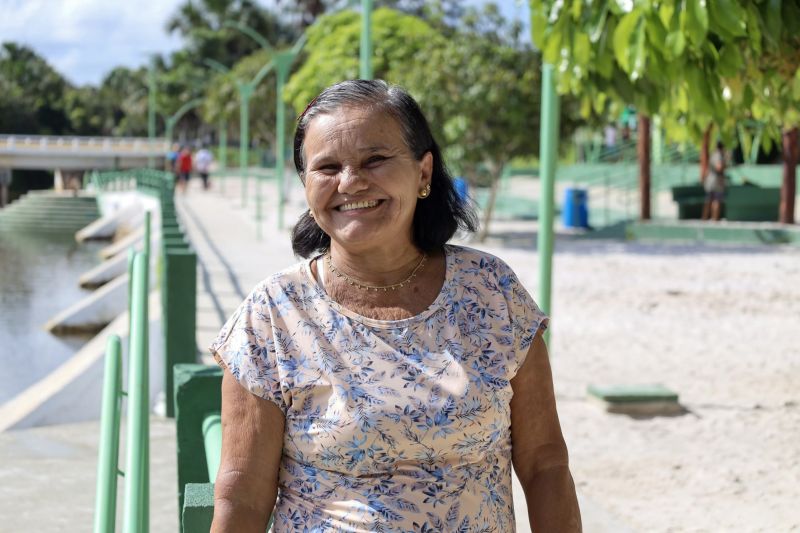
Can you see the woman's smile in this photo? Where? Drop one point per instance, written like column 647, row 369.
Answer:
column 361, row 207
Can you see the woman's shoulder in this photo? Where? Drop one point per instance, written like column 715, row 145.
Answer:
column 474, row 259
column 291, row 279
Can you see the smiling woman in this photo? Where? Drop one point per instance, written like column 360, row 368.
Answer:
column 388, row 381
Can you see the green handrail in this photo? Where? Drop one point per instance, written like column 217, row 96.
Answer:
column 212, row 440
column 107, row 466
column 137, row 468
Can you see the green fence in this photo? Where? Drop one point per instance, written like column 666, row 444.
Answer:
column 177, row 274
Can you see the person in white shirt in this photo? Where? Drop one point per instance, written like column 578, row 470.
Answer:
column 202, row 164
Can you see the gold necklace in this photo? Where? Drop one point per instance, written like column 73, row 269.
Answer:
column 356, row 283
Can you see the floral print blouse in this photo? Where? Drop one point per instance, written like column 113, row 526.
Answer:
column 400, row 425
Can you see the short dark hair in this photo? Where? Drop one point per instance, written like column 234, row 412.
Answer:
column 437, row 217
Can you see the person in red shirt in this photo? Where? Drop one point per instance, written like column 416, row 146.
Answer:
column 184, row 168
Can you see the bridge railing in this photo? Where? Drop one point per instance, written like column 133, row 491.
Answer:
column 83, row 144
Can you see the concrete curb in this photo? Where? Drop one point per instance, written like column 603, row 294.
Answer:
column 95, row 311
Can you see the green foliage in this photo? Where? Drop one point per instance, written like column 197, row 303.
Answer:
column 332, row 51
column 222, row 98
column 480, row 94
column 32, row 93
column 202, row 25
column 693, row 62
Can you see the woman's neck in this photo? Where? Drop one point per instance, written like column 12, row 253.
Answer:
column 380, row 266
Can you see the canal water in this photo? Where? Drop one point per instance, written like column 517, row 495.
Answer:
column 38, row 278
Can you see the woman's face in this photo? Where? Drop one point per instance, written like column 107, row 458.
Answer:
column 362, row 180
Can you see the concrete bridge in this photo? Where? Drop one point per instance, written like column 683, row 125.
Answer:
column 43, row 152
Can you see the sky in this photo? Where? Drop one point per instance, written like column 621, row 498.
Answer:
column 85, row 39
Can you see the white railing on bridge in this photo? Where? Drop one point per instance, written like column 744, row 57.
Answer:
column 72, row 144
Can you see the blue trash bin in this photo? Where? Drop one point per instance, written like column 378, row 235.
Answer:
column 461, row 187
column 576, row 211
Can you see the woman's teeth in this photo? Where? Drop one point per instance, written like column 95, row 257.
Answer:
column 358, row 205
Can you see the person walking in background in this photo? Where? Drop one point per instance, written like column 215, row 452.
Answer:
column 714, row 184
column 184, row 167
column 202, row 164
column 170, row 165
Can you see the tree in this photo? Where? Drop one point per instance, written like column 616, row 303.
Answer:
column 222, row 98
column 694, row 62
column 203, row 24
column 480, row 94
column 33, row 93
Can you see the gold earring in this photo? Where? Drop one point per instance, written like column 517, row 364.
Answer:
column 424, row 193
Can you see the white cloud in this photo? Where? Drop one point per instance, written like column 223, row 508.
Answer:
column 85, row 39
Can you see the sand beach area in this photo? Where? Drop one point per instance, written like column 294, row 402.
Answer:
column 719, row 326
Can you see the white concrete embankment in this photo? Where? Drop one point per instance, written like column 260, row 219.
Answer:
column 93, row 312
column 132, row 239
column 122, row 214
column 107, row 226
column 72, row 392
column 106, row 271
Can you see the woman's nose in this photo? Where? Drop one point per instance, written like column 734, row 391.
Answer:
column 351, row 181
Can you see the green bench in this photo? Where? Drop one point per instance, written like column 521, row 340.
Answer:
column 742, row 202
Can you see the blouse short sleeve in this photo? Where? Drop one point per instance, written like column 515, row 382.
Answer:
column 525, row 317
column 245, row 346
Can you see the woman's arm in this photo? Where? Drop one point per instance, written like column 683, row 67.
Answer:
column 252, row 442
column 539, row 452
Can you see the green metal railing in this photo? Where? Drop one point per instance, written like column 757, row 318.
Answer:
column 178, row 288
column 137, row 464
column 107, row 466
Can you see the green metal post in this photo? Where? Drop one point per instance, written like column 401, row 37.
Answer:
column 212, row 438
column 105, row 511
column 137, row 467
column 151, row 109
column 245, row 92
column 223, row 151
column 179, row 293
column 366, row 40
column 547, row 155
column 284, row 62
column 146, row 241
column 145, row 437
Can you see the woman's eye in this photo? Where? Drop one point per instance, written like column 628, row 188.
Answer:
column 374, row 161
column 328, row 169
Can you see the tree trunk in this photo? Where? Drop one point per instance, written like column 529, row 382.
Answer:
column 705, row 152
column 487, row 213
column 789, row 185
column 643, row 152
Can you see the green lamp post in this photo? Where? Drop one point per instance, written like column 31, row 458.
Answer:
column 365, row 70
column 185, row 108
column 246, row 90
column 283, row 62
column 151, row 109
column 548, row 154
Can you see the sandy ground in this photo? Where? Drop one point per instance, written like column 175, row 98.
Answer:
column 718, row 325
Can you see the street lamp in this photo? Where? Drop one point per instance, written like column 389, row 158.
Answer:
column 151, row 109
column 282, row 61
column 171, row 121
column 366, row 40
column 246, row 90
column 222, row 148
